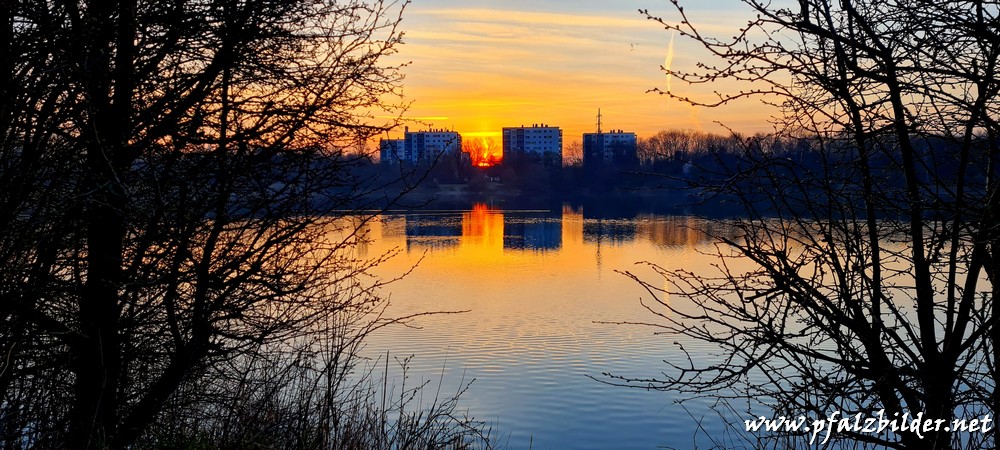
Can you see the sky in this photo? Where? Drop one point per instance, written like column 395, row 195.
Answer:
column 478, row 66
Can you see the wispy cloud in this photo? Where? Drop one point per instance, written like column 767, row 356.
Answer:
column 535, row 18
column 528, row 62
column 669, row 60
column 414, row 118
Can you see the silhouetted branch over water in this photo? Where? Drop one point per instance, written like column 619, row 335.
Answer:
column 179, row 225
column 862, row 276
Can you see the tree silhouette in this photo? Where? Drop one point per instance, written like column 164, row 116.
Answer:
column 861, row 275
column 484, row 152
column 176, row 197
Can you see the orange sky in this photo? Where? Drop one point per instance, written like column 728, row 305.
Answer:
column 478, row 66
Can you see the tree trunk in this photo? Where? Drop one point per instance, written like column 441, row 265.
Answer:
column 96, row 361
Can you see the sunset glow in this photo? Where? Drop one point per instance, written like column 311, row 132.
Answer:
column 484, row 149
column 477, row 69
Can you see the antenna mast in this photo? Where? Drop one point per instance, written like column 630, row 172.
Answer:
column 598, row 120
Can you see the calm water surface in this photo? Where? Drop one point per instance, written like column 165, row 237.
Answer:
column 537, row 285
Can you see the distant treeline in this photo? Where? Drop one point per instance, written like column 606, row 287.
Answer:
column 830, row 163
column 688, row 164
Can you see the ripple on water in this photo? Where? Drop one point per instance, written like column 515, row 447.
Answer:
column 530, row 340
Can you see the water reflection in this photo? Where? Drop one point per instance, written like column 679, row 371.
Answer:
column 615, row 232
column 533, row 234
column 539, row 290
column 432, row 232
column 490, row 229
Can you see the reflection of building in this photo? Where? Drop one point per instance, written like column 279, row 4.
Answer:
column 539, row 142
column 432, row 231
column 484, row 227
column 609, row 231
column 533, row 233
column 417, row 146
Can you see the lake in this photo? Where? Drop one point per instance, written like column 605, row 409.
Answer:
column 539, row 288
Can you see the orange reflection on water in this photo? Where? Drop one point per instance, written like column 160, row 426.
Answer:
column 572, row 227
column 482, row 228
column 686, row 231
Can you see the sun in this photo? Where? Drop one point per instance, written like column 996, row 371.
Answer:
column 484, row 151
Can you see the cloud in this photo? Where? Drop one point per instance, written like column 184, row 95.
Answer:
column 486, row 68
column 534, row 18
column 414, row 118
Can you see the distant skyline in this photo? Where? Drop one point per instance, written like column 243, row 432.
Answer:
column 478, row 66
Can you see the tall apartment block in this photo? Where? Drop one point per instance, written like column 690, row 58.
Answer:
column 417, row 146
column 539, row 142
column 615, row 148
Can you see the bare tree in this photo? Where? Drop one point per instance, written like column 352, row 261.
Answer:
column 862, row 273
column 573, row 154
column 176, row 201
column 484, row 152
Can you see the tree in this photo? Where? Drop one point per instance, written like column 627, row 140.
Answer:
column 176, row 201
column 573, row 154
column 869, row 252
column 484, row 152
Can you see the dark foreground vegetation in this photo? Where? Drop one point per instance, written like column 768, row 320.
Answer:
column 861, row 277
column 177, row 269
